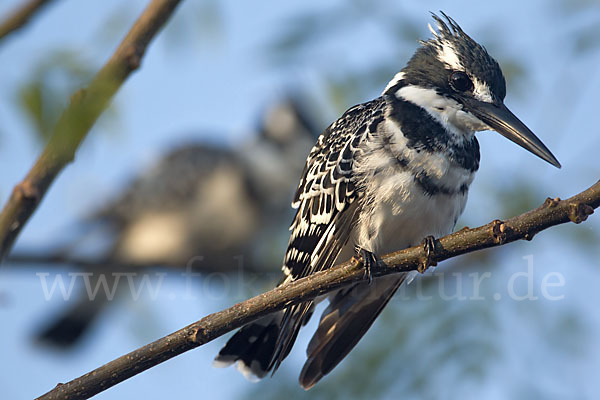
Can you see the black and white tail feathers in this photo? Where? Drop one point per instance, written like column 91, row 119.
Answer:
column 252, row 347
column 259, row 347
column 256, row 348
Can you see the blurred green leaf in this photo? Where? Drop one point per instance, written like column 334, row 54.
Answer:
column 31, row 100
column 44, row 96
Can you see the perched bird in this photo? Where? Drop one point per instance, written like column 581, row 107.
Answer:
column 387, row 175
column 198, row 200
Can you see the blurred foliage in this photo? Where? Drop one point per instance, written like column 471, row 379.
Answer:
column 43, row 97
column 46, row 93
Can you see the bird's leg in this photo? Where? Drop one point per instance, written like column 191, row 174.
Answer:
column 369, row 260
column 429, row 247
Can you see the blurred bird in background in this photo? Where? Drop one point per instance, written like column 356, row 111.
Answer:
column 222, row 208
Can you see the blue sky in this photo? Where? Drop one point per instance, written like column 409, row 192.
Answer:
column 221, row 86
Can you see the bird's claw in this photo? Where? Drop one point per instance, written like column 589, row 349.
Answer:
column 429, row 248
column 369, row 260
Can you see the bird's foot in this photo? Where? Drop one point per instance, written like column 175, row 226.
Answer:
column 369, row 260
column 429, row 247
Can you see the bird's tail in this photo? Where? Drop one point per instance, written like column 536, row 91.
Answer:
column 350, row 314
column 252, row 347
column 259, row 347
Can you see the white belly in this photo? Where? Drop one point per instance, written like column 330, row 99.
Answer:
column 402, row 215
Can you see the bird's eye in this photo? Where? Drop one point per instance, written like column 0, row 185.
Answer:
column 460, row 82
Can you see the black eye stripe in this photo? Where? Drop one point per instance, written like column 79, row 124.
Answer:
column 460, row 82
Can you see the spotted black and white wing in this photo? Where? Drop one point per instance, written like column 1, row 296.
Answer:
column 327, row 201
column 327, row 189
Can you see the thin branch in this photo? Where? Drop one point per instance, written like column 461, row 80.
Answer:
column 20, row 16
column 103, row 264
column 77, row 119
column 525, row 226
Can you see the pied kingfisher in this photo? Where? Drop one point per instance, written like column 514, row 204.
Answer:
column 386, row 175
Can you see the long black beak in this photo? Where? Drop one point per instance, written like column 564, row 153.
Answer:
column 503, row 121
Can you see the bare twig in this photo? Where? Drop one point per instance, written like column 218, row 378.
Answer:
column 77, row 119
column 19, row 17
column 103, row 264
column 525, row 226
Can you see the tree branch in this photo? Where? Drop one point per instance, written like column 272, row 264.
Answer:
column 20, row 16
column 104, row 264
column 525, row 226
column 77, row 119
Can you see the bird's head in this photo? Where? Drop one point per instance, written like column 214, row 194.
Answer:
column 462, row 86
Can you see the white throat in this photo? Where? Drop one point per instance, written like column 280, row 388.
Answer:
column 446, row 111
